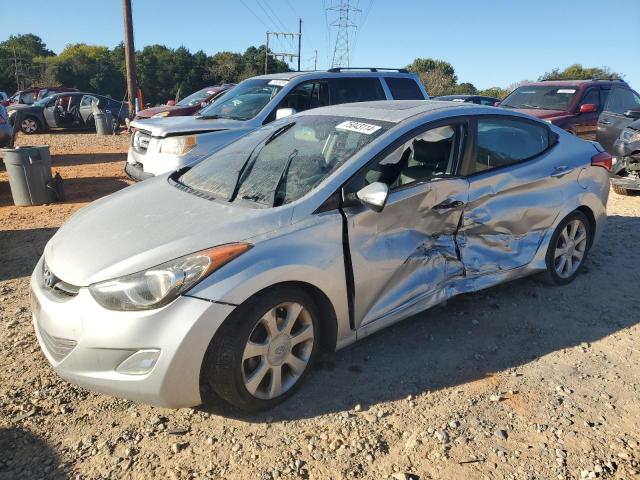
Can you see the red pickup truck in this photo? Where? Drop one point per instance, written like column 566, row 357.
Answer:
column 573, row 105
column 188, row 105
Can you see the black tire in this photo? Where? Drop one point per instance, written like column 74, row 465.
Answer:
column 222, row 367
column 30, row 125
column 550, row 276
column 622, row 191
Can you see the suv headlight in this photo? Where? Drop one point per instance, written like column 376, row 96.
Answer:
column 161, row 115
column 178, row 145
column 160, row 285
column 630, row 136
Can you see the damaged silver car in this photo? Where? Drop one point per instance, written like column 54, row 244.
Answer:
column 311, row 232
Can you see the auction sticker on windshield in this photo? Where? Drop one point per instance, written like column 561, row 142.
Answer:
column 359, row 127
column 567, row 90
column 278, row 83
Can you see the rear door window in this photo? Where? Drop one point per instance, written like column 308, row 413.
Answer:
column 622, row 99
column 404, row 88
column 349, row 90
column 502, row 142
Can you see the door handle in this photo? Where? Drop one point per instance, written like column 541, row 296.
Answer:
column 447, row 204
column 604, row 122
column 560, row 171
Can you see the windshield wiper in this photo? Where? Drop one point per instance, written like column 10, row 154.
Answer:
column 212, row 117
column 284, row 174
column 279, row 132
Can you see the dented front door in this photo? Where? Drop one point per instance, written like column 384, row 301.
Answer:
column 402, row 256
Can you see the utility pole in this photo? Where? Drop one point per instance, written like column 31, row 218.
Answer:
column 130, row 57
column 289, row 55
column 299, row 41
column 315, row 61
column 341, row 52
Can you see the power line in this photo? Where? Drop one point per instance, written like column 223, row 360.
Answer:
column 254, row 14
column 341, row 51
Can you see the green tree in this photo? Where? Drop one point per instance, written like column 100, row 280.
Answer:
column 578, row 72
column 17, row 67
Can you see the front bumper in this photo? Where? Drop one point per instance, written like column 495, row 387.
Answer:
column 626, row 169
column 135, row 171
column 86, row 343
column 152, row 163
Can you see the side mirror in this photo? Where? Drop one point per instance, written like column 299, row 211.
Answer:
column 588, row 108
column 632, row 114
column 285, row 112
column 496, row 104
column 374, row 195
column 203, row 104
column 171, row 103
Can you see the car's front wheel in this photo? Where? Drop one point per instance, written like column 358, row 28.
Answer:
column 568, row 249
column 264, row 349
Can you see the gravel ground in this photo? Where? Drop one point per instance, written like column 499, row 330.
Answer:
column 521, row 381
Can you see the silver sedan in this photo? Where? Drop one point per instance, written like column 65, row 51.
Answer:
column 312, row 232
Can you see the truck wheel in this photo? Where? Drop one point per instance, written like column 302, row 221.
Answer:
column 622, row 191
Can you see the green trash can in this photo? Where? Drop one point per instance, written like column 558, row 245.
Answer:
column 29, row 170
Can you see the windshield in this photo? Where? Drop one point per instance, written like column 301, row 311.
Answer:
column 42, row 102
column 242, row 102
column 283, row 161
column 196, row 98
column 541, row 97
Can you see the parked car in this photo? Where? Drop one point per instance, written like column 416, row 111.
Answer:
column 619, row 134
column 163, row 145
column 5, row 128
column 189, row 105
column 570, row 104
column 32, row 95
column 478, row 99
column 313, row 231
column 4, row 99
column 66, row 110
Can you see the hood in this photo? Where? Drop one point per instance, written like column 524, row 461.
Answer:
column 145, row 225
column 172, row 109
column 542, row 114
column 162, row 127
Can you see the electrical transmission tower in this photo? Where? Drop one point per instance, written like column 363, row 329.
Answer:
column 346, row 13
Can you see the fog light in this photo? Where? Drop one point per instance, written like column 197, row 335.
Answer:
column 139, row 363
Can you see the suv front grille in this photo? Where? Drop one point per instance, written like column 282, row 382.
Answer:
column 56, row 286
column 57, row 347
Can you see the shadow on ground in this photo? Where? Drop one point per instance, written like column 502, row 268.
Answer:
column 74, row 159
column 27, row 456
column 473, row 336
column 20, row 251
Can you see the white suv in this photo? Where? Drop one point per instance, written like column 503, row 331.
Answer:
column 161, row 145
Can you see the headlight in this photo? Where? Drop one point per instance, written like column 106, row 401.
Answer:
column 630, row 136
column 160, row 285
column 178, row 145
column 161, row 115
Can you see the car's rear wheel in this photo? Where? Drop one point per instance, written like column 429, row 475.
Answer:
column 568, row 249
column 30, row 125
column 264, row 349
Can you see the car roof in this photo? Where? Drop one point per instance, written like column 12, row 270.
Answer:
column 445, row 97
column 343, row 73
column 573, row 83
column 394, row 111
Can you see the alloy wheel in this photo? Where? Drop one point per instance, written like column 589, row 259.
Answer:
column 278, row 351
column 29, row 125
column 570, row 248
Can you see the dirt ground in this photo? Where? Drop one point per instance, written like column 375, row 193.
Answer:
column 521, row 381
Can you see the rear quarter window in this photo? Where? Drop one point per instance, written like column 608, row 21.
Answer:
column 503, row 141
column 404, row 88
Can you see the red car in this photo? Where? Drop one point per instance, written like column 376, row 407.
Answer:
column 188, row 105
column 573, row 105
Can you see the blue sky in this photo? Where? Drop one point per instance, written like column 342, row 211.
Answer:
column 489, row 42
